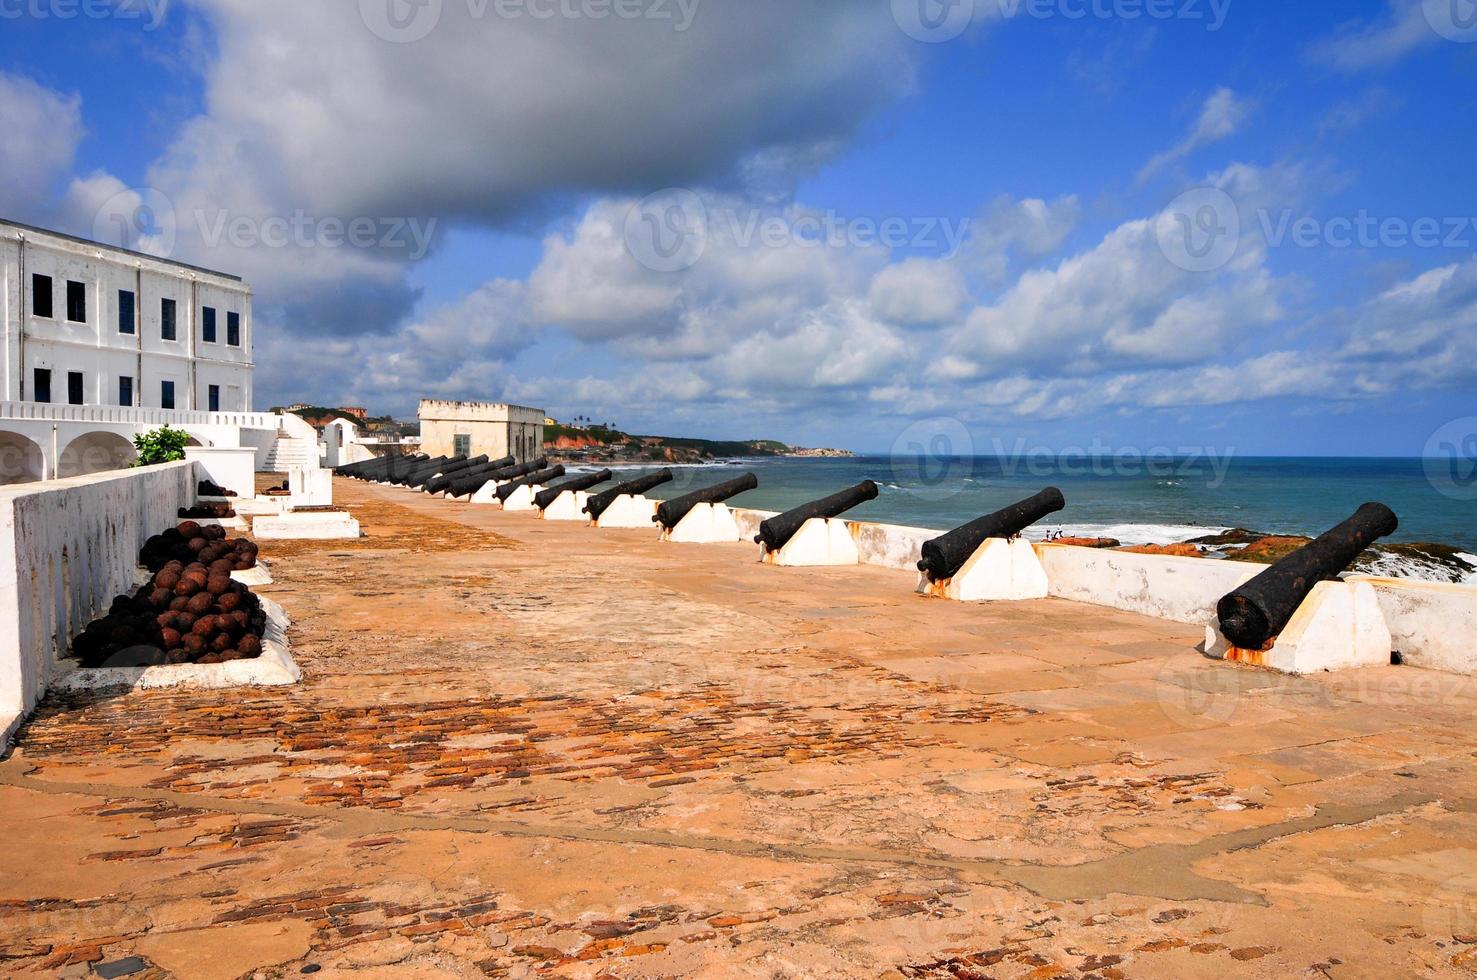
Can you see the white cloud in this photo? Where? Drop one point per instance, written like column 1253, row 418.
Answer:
column 918, row 292
column 1030, row 228
column 1360, row 45
column 42, row 129
column 1220, row 117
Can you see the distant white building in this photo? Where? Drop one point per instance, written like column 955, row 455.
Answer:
column 90, row 324
column 452, row 428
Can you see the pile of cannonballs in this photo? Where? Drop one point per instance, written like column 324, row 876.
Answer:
column 190, row 543
column 210, row 489
column 208, row 511
column 190, row 612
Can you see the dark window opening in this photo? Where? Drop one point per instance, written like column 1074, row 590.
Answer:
column 167, row 324
column 40, row 295
column 461, row 445
column 126, row 311
column 75, row 393
column 233, row 329
column 213, row 397
column 76, row 302
column 166, row 394
column 125, row 392
column 41, row 385
column 207, row 320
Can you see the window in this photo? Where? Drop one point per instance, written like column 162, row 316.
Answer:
column 77, row 301
column 41, row 295
column 461, row 445
column 166, row 394
column 125, row 392
column 207, row 319
column 126, row 311
column 233, row 329
column 41, row 385
column 75, row 394
column 213, row 398
column 167, row 320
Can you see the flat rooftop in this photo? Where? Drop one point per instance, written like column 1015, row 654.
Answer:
column 539, row 749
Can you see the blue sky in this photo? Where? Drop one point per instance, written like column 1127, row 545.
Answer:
column 1057, row 186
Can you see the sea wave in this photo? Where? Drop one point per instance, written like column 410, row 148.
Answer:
column 1129, row 534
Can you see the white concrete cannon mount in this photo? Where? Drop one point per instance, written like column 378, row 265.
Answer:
column 998, row 571
column 568, row 506
column 487, row 494
column 705, row 524
column 521, row 500
column 629, row 511
column 1339, row 625
column 820, row 541
column 306, row 525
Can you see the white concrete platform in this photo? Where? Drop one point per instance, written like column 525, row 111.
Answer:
column 1339, row 626
column 705, row 524
column 998, row 571
column 236, row 523
column 255, row 506
column 306, row 526
column 274, row 668
column 520, row 501
column 486, row 495
column 568, row 506
column 629, row 511
column 819, row 542
column 260, row 575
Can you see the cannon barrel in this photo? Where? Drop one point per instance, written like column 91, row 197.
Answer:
column 457, row 465
column 544, row 499
column 471, row 483
column 671, row 512
column 531, row 480
column 776, row 532
column 1258, row 611
column 404, row 465
column 600, row 502
column 420, row 474
column 444, row 481
column 945, row 555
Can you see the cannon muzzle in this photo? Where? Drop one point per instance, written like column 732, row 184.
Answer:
column 1257, row 612
column 531, row 480
column 671, row 512
column 944, row 556
column 776, row 532
column 601, row 502
column 545, row 498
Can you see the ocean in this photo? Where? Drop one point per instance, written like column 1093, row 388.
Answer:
column 1174, row 501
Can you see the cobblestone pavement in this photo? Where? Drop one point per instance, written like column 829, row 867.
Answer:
column 535, row 749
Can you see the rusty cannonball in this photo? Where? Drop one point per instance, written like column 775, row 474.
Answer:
column 250, row 645
column 187, row 587
column 196, row 544
column 167, row 579
column 218, row 585
column 184, row 621
column 170, row 638
column 187, row 529
column 201, row 603
column 180, row 603
column 215, row 532
column 160, row 598
column 222, row 643
column 204, row 627
column 222, row 566
column 179, row 655
column 229, row 602
column 194, row 645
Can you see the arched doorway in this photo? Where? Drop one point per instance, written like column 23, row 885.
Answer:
column 21, row 460
column 96, row 452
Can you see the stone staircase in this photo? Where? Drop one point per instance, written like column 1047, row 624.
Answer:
column 288, row 451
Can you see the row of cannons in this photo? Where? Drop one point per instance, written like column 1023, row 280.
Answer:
column 1296, row 612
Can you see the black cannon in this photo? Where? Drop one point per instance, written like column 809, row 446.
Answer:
column 406, row 465
column 944, row 556
column 420, row 474
column 457, row 465
column 531, row 480
column 671, row 512
column 472, row 482
column 442, row 482
column 1258, row 611
column 600, row 502
column 776, row 532
column 545, row 498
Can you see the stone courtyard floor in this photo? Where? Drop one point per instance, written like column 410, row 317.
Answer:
column 536, row 749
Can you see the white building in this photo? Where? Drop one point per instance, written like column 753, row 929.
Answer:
column 452, row 428
column 102, row 343
column 90, row 324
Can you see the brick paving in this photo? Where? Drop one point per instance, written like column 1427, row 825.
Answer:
column 527, row 749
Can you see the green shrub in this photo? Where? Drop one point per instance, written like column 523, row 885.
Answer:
column 160, row 446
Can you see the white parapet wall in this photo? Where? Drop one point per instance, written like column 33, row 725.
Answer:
column 67, row 548
column 1183, row 590
column 1432, row 624
column 229, row 467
